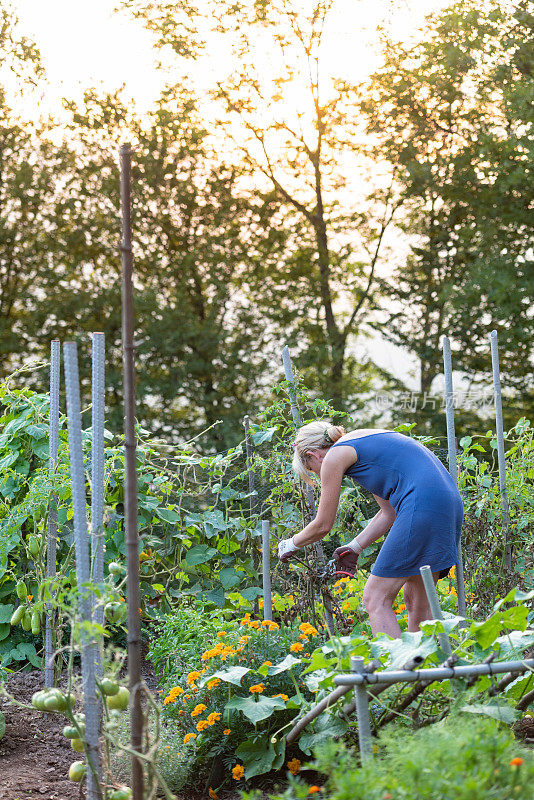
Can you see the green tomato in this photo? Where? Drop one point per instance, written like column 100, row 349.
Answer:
column 27, row 621
column 38, row 700
column 123, row 793
column 120, row 700
column 34, row 545
column 55, row 701
column 70, row 732
column 109, row 687
column 77, row 745
column 21, row 590
column 36, row 623
column 115, row 568
column 17, row 615
column 76, row 771
column 70, row 699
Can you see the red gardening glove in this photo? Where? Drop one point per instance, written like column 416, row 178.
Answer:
column 346, row 560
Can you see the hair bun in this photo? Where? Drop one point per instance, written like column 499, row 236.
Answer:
column 335, row 432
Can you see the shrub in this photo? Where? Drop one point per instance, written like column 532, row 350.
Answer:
column 458, row 759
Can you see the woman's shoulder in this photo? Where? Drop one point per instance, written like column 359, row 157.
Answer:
column 360, row 433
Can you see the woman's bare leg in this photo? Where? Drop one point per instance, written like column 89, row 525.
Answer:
column 416, row 601
column 378, row 596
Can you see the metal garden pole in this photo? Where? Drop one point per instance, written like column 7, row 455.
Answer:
column 249, row 450
column 308, row 491
column 97, row 480
column 266, row 569
column 500, row 448
column 83, row 573
column 51, row 537
column 430, row 588
column 362, row 711
column 130, row 477
column 453, row 466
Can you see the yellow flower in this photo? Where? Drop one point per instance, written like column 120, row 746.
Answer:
column 273, row 626
column 303, row 637
column 213, row 718
column 213, row 683
column 293, row 766
column 308, row 629
column 202, row 725
column 244, row 639
column 260, row 603
column 267, row 664
column 296, row 646
column 227, row 731
column 168, row 700
column 238, row 772
column 198, row 710
column 189, row 736
column 265, row 623
column 254, row 624
column 213, row 794
column 221, row 633
column 191, row 678
column 257, row 688
column 283, row 696
column 175, row 691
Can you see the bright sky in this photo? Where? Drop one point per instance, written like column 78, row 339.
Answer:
column 86, row 44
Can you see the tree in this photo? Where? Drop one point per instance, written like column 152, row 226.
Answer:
column 321, row 288
column 454, row 113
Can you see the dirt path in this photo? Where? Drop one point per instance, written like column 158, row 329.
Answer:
column 34, row 755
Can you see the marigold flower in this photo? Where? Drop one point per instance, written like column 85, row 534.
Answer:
column 213, row 683
column 213, row 718
column 189, row 736
column 168, row 700
column 294, row 766
column 283, row 696
column 254, row 624
column 401, row 608
column 303, row 637
column 198, row 710
column 273, row 626
column 227, row 731
column 296, row 646
column 267, row 664
column 175, row 691
column 244, row 639
column 238, row 772
column 221, row 633
column 213, row 794
column 314, row 789
column 202, row 725
column 516, row 762
column 346, row 606
column 192, row 677
column 308, row 629
column 257, row 688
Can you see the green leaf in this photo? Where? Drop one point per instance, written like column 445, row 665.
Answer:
column 234, row 675
column 259, row 437
column 251, row 592
column 40, row 448
column 519, row 687
column 258, row 757
column 199, row 554
column 326, row 727
column 2, row 725
column 168, row 515
column 216, row 596
column 408, row 646
column 6, row 610
column 8, row 460
column 486, row 632
column 498, row 710
column 229, row 577
column 256, row 710
column 284, row 665
column 5, row 630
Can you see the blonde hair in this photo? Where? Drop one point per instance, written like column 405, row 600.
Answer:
column 318, row 435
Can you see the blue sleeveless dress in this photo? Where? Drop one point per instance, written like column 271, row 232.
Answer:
column 426, row 500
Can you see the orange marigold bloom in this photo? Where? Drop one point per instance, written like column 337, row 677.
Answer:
column 257, row 688
column 308, row 629
column 213, row 794
column 227, row 731
column 516, row 762
column 283, row 696
column 402, row 607
column 267, row 664
column 254, row 624
column 168, row 700
column 213, row 718
column 296, row 646
column 294, row 766
column 191, row 678
column 202, row 725
column 213, row 683
column 181, row 712
column 238, row 772
column 198, row 710
column 303, row 637
column 221, row 633
column 314, row 789
column 189, row 736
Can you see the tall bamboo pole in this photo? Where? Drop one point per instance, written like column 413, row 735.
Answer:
column 500, row 448
column 130, row 482
column 51, row 538
column 97, row 477
column 453, row 465
column 83, row 573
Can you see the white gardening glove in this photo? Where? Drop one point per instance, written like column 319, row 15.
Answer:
column 286, row 549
